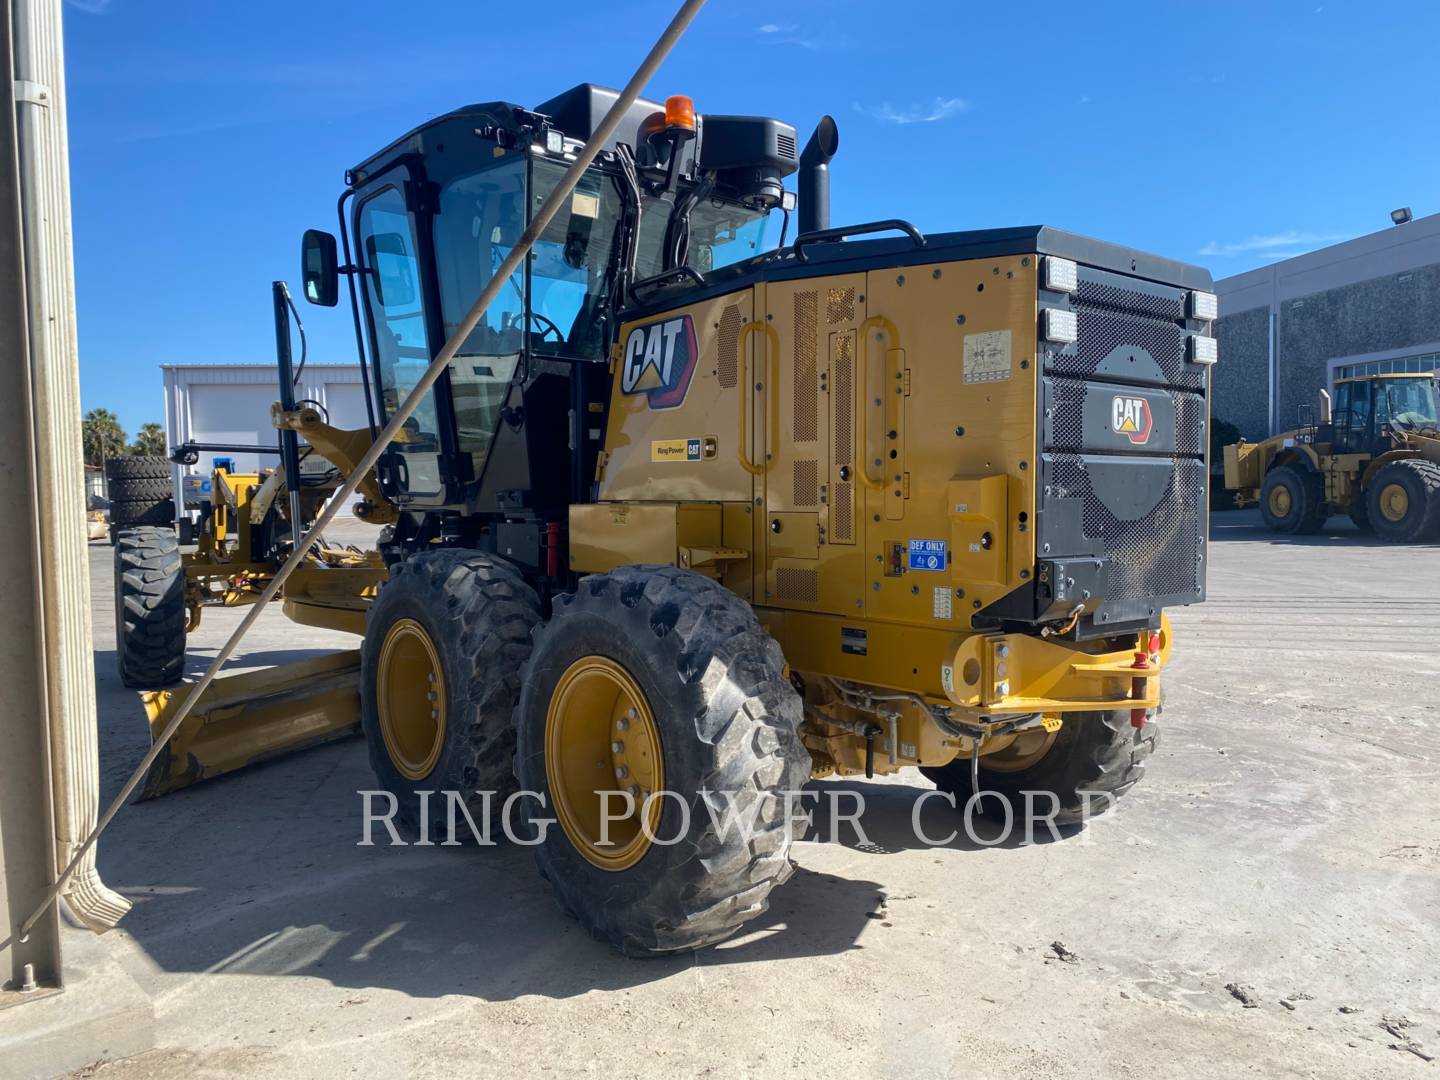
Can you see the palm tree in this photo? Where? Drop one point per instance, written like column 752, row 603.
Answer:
column 102, row 436
column 149, row 440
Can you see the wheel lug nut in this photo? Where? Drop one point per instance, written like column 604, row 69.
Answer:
column 630, row 713
column 621, row 773
column 621, row 724
column 633, row 789
column 617, row 747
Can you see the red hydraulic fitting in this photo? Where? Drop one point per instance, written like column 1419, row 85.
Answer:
column 1147, row 658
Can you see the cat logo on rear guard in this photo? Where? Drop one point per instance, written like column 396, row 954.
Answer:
column 1130, row 416
column 659, row 361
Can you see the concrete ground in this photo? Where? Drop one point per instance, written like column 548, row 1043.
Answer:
column 1284, row 840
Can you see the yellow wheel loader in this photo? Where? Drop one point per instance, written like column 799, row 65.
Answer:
column 694, row 517
column 1375, row 457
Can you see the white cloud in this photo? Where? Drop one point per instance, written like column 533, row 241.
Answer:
column 939, row 109
column 1278, row 245
column 776, row 28
column 91, row 7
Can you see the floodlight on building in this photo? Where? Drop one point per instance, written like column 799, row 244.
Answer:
column 1401, row 216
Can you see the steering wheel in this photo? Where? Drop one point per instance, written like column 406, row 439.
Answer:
column 547, row 327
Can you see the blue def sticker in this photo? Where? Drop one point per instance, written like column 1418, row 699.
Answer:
column 927, row 554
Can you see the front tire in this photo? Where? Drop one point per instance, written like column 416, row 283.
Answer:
column 1095, row 758
column 655, row 679
column 1403, row 501
column 440, row 675
column 1292, row 500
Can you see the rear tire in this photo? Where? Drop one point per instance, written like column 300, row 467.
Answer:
column 1096, row 758
column 1292, row 500
column 150, row 614
column 465, row 617
column 1403, row 501
column 709, row 697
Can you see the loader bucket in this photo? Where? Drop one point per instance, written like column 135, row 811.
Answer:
column 248, row 718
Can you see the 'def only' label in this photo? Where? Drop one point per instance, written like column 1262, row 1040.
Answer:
column 927, row 554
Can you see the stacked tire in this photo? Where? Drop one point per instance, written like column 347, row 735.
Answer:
column 141, row 492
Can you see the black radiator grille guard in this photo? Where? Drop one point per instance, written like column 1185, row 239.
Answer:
column 1135, row 508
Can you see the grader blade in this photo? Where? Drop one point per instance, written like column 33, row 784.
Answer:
column 252, row 717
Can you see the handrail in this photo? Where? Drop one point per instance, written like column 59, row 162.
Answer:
column 816, row 236
column 862, row 394
column 748, row 391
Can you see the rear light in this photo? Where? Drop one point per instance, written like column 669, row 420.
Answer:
column 1060, row 326
column 1204, row 305
column 1061, row 275
column 1202, row 350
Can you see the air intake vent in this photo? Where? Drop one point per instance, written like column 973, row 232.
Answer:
column 807, row 483
column 805, row 391
column 840, row 306
column 842, row 516
column 728, row 363
column 786, row 145
column 802, row 585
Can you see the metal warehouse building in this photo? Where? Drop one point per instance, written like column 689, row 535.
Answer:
column 1288, row 330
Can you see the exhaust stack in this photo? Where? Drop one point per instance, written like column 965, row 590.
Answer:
column 814, row 180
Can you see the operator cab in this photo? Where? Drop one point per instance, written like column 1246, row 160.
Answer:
column 1370, row 410
column 512, row 428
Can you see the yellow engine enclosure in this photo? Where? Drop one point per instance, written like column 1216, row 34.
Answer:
column 829, row 424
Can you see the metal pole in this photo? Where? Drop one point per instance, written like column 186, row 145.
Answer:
column 688, row 10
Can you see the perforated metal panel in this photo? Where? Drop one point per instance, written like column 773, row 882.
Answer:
column 1111, row 315
column 728, row 361
column 840, row 306
column 842, row 514
column 842, row 376
column 1155, row 556
column 806, row 484
column 806, row 425
column 1139, row 505
column 793, row 584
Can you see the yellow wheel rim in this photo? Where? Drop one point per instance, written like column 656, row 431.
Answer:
column 601, row 737
column 1394, row 502
column 1028, row 748
column 1280, row 501
column 410, row 697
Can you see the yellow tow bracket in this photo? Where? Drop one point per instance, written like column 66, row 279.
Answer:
column 247, row 718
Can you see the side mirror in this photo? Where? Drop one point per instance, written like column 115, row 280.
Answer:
column 319, row 275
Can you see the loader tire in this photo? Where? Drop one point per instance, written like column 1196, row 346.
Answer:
column 1095, row 758
column 456, row 624
column 137, row 467
column 1292, row 500
column 150, row 614
column 659, row 678
column 144, row 489
column 1403, row 501
column 1360, row 512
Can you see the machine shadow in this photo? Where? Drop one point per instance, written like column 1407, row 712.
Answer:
column 235, row 876
column 897, row 817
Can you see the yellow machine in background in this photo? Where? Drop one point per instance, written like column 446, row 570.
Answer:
column 691, row 518
column 1376, row 457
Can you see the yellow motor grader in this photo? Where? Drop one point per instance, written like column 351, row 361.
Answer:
column 695, row 516
column 1375, row 457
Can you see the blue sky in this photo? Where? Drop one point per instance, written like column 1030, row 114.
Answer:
column 206, row 136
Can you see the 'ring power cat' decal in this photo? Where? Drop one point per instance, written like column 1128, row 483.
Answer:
column 659, row 361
